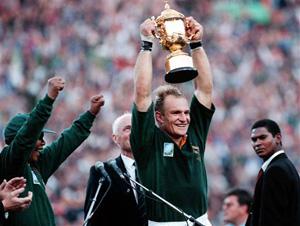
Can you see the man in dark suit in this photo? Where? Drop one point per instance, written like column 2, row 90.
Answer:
column 122, row 205
column 277, row 190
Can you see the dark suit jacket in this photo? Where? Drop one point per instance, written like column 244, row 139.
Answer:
column 277, row 195
column 119, row 206
column 2, row 218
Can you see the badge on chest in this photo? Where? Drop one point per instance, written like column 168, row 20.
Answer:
column 168, row 149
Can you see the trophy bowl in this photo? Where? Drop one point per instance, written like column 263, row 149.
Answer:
column 171, row 33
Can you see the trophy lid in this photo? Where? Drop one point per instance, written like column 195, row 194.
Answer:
column 168, row 14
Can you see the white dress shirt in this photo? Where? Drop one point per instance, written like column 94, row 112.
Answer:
column 130, row 168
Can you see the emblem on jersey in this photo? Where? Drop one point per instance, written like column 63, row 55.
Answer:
column 196, row 149
column 34, row 178
column 168, row 149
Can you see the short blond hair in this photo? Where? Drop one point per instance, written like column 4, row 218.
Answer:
column 162, row 92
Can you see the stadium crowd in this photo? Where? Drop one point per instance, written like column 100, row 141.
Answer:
column 253, row 46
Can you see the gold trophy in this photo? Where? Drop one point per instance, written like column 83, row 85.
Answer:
column 171, row 32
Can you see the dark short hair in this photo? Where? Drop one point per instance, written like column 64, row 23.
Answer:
column 162, row 92
column 243, row 196
column 269, row 124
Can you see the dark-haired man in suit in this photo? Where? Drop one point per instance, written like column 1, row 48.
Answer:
column 121, row 205
column 277, row 190
column 236, row 207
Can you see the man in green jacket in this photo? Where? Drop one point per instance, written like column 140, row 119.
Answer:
column 25, row 155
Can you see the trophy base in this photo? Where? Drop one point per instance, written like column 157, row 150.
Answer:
column 179, row 67
column 180, row 75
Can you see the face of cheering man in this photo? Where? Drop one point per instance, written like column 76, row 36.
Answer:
column 39, row 145
column 175, row 117
column 264, row 143
column 121, row 134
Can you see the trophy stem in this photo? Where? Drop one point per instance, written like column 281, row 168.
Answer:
column 179, row 67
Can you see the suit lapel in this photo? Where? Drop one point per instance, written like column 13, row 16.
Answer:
column 127, row 184
column 121, row 164
column 277, row 158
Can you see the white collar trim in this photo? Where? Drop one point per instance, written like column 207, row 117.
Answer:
column 266, row 163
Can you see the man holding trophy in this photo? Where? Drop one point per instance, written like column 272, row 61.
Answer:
column 168, row 137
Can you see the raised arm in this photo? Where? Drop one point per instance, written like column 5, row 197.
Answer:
column 23, row 130
column 203, row 82
column 71, row 138
column 143, row 68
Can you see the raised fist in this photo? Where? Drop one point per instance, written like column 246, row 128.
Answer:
column 97, row 102
column 55, row 85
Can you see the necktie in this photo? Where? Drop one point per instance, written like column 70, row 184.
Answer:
column 259, row 175
column 252, row 218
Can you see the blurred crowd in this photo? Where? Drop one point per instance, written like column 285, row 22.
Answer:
column 253, row 47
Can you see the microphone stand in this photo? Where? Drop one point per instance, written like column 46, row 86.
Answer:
column 189, row 217
column 90, row 214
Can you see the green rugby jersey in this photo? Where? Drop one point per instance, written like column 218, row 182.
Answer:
column 176, row 175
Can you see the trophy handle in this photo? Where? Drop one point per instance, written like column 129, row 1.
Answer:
column 155, row 33
column 189, row 38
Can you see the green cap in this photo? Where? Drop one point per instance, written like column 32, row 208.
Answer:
column 14, row 124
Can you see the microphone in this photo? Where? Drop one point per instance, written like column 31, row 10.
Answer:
column 99, row 166
column 113, row 164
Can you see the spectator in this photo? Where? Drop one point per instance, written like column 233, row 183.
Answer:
column 9, row 197
column 236, row 207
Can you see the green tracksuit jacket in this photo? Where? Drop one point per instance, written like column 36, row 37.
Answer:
column 14, row 161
